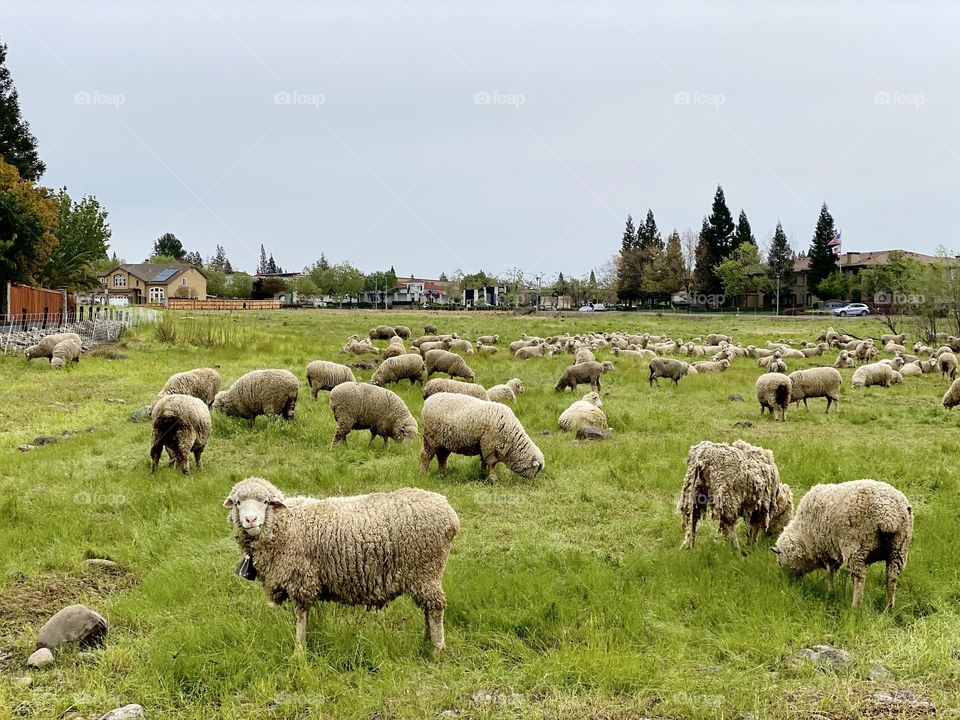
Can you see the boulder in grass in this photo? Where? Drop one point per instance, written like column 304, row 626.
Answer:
column 76, row 624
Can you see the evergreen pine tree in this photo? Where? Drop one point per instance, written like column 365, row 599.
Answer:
column 780, row 259
column 272, row 265
column 743, row 233
column 822, row 260
column 629, row 266
column 168, row 245
column 323, row 263
column 629, row 236
column 262, row 267
column 716, row 243
column 18, row 146
column 647, row 234
column 593, row 279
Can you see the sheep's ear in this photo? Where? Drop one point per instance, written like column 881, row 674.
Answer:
column 229, row 502
column 774, row 549
column 276, row 502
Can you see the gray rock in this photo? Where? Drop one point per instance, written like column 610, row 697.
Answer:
column 140, row 414
column 127, row 712
column 67, row 434
column 878, row 673
column 591, row 432
column 44, row 440
column 744, row 424
column 735, row 398
column 74, row 624
column 40, row 658
column 904, row 699
column 99, row 562
column 495, row 698
column 826, row 657
column 26, row 448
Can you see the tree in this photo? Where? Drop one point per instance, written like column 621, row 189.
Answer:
column 689, row 242
column 780, row 261
column 823, row 262
column 629, row 236
column 82, row 235
column 560, row 288
column 477, row 280
column 348, row 281
column 220, row 261
column 263, row 267
column 744, row 272
column 647, row 234
column 670, row 271
column 304, row 286
column 168, row 245
column 443, row 277
column 835, row 285
column 240, row 286
column 193, row 258
column 18, row 146
column 269, row 287
column 28, row 221
column 716, row 242
column 743, row 233
column 894, row 289
column 629, row 266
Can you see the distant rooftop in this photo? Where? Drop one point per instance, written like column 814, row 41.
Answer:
column 154, row 272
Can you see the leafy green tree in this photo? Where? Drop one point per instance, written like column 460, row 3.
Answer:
column 162, row 259
column 168, row 245
column 216, row 282
column 669, row 270
column 744, row 272
column 835, row 285
column 304, row 286
column 743, row 233
column 240, row 286
column 647, row 234
column 477, row 280
column 28, row 222
column 193, row 258
column 823, row 262
column 82, row 233
column 348, row 281
column 18, row 146
column 220, row 261
column 780, row 261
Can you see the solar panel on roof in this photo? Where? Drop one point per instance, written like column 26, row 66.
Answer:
column 164, row 275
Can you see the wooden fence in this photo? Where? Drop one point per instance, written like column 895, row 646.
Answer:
column 221, row 304
column 22, row 301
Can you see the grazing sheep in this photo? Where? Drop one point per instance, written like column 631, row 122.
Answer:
column 947, row 364
column 395, row 348
column 430, row 330
column 581, row 374
column 260, row 392
column 359, row 550
column 873, row 374
column 816, row 382
column 403, row 367
column 487, row 350
column 381, row 332
column 585, row 411
column 898, row 339
column 447, row 362
column 425, row 347
column 713, row 366
column 952, row 397
column 65, row 351
column 506, row 393
column 669, row 368
column 733, row 481
column 44, row 348
column 853, row 523
column 361, row 406
column 488, row 340
column 203, row 383
column 467, row 426
column 181, row 424
column 364, row 347
column 533, row 351
column 773, row 394
column 583, row 355
column 402, row 331
column 845, row 360
column 715, row 339
column 439, row 385
column 325, row 375
column 464, row 346
column 425, row 339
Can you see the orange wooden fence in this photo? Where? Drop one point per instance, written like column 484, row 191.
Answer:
column 221, row 304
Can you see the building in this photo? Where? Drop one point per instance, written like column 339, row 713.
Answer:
column 489, row 296
column 136, row 284
column 850, row 263
column 409, row 292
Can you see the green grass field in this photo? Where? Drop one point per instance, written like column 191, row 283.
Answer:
column 569, row 596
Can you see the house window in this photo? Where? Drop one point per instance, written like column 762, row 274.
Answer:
column 156, row 294
column 119, row 280
column 183, row 281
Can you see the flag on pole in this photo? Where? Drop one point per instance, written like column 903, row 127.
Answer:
column 834, row 244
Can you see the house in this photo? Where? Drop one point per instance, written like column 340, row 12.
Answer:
column 850, row 263
column 136, row 284
column 489, row 296
column 409, row 292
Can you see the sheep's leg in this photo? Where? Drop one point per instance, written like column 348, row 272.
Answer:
column 858, row 571
column 442, row 455
column 432, row 601
column 728, row 529
column 491, row 464
column 830, row 572
column 426, row 455
column 290, row 409
column 156, row 450
column 805, row 406
column 313, row 392
column 690, row 527
column 197, row 452
column 373, row 436
column 303, row 614
column 895, row 564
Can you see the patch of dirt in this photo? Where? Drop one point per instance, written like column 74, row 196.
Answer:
column 32, row 600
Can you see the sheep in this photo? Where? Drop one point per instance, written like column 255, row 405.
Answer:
column 488, row 340
column 669, row 368
column 952, row 397
column 467, row 426
column 816, row 382
column 65, row 351
column 888, row 338
column 533, row 351
column 381, row 332
column 845, row 360
column 715, row 339
column 203, row 383
column 447, row 362
column 892, row 347
column 403, row 367
column 585, row 411
column 733, row 481
column 424, row 348
column 360, row 348
column 766, row 361
column 773, row 394
column 438, row 385
column 430, row 330
column 641, row 353
column 402, row 331
column 517, row 344
column 897, row 378
column 920, row 349
column 911, row 369
column 260, row 392
column 181, row 424
column 464, row 346
column 853, row 523
column 325, row 375
column 359, row 550
column 711, row 366
column 487, row 350
column 581, row 374
column 395, row 348
column 947, row 364
column 506, row 393
column 873, row 374
column 44, row 348
column 583, row 355
column 362, row 406
column 777, row 366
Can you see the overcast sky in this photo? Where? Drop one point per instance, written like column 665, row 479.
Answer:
column 441, row 135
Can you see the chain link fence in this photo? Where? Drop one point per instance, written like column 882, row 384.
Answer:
column 96, row 325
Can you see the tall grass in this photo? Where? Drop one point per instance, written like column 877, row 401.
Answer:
column 208, row 330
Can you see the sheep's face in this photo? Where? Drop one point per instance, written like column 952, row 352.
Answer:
column 531, row 467
column 782, row 510
column 219, row 401
column 593, row 398
column 251, row 513
column 30, row 352
column 516, row 384
column 790, row 555
column 408, row 431
column 606, row 366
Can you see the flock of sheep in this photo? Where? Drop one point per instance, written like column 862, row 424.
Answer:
column 370, row 549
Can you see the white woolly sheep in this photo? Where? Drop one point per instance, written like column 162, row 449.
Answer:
column 439, row 385
column 669, row 368
column 403, row 367
column 853, row 523
column 360, row 348
column 325, row 375
column 951, row 398
column 873, row 374
column 447, row 362
column 381, row 332
column 582, row 374
column 488, row 340
column 888, row 338
column 583, row 355
column 464, row 346
column 260, row 392
column 732, row 482
column 361, row 406
column 773, row 394
column 947, row 364
column 202, row 383
column 395, row 347
column 181, row 424
column 467, row 426
column 402, row 331
column 845, row 360
column 777, row 366
column 712, row 366
column 585, row 411
column 533, row 351
column 487, row 350
column 63, row 352
column 360, row 550
column 506, row 393
column 44, row 348
column 816, row 382
column 430, row 330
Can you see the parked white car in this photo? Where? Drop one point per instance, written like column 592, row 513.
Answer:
column 599, row 307
column 852, row 309
column 587, row 308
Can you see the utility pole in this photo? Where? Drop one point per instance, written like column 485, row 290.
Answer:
column 539, row 278
column 778, row 294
